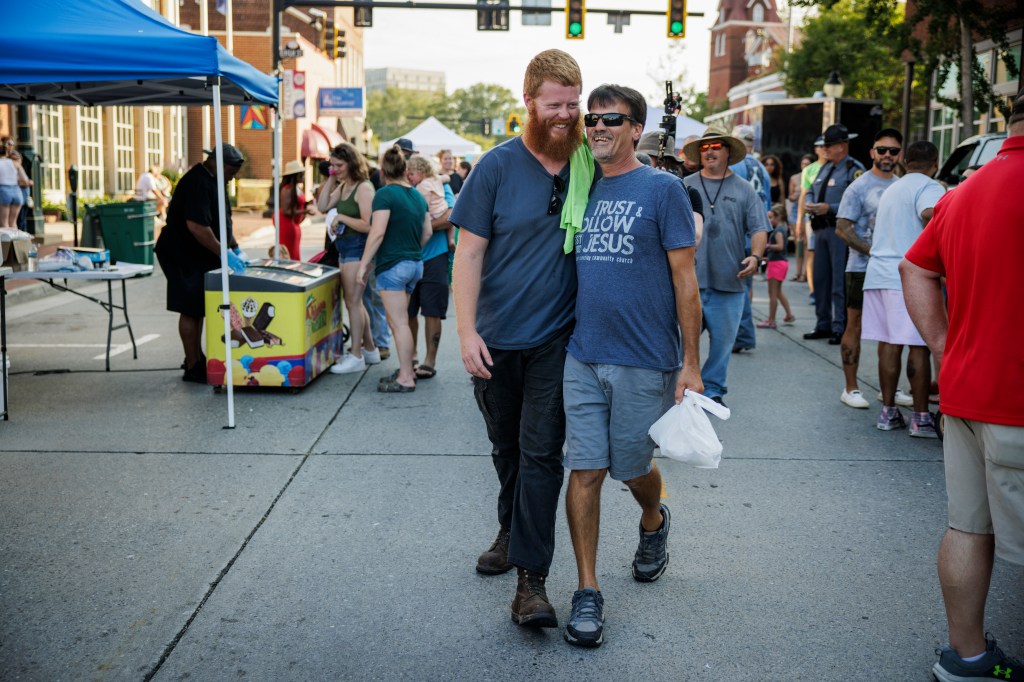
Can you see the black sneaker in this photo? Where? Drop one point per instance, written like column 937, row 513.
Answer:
column 652, row 554
column 994, row 665
column 586, row 622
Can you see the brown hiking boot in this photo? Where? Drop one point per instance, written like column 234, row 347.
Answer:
column 531, row 606
column 495, row 560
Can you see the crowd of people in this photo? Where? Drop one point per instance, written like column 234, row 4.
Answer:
column 585, row 274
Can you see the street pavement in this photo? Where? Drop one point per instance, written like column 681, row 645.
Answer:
column 332, row 535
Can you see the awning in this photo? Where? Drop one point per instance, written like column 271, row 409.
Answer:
column 318, row 142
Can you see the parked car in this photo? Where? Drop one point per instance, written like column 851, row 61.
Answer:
column 974, row 151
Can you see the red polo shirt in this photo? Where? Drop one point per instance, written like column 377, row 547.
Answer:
column 976, row 239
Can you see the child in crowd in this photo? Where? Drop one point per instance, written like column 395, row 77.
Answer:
column 778, row 266
column 421, row 175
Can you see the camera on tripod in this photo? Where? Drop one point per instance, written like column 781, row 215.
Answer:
column 673, row 104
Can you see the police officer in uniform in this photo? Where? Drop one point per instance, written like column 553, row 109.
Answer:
column 830, row 250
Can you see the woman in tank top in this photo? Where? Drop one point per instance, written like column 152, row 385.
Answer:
column 349, row 191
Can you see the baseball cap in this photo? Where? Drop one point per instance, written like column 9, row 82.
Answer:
column 405, row 144
column 231, row 155
column 745, row 134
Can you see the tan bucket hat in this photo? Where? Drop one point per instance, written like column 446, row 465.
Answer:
column 293, row 167
column 737, row 150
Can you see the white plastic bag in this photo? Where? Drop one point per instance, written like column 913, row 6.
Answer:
column 684, row 433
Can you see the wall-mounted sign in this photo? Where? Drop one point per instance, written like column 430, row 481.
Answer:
column 291, row 49
column 340, row 102
column 294, row 94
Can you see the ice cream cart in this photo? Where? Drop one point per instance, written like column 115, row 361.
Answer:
column 286, row 325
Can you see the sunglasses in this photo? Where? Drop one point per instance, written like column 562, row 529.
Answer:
column 891, row 151
column 609, row 120
column 555, row 203
column 712, row 146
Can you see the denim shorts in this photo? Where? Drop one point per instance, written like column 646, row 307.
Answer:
column 608, row 411
column 350, row 249
column 402, row 276
column 10, row 195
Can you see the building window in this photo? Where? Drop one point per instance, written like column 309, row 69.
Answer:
column 720, row 45
column 177, row 160
column 49, row 133
column 757, row 16
column 124, row 150
column 90, row 152
column 154, row 126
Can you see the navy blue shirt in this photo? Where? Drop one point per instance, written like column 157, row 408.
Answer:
column 626, row 306
column 528, row 282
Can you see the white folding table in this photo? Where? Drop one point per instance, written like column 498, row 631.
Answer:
column 117, row 273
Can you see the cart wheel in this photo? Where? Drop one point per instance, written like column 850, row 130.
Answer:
column 344, row 334
column 940, row 423
column 218, row 390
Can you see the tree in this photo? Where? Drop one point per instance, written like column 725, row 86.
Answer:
column 394, row 111
column 467, row 107
column 842, row 39
column 949, row 29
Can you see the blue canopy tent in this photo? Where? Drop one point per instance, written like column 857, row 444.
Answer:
column 120, row 52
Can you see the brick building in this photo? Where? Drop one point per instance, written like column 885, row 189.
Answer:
column 111, row 146
column 743, row 39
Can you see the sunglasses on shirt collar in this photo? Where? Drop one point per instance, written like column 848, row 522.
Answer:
column 609, row 120
column 555, row 203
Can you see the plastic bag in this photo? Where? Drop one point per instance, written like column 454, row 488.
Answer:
column 684, row 433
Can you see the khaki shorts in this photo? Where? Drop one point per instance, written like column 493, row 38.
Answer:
column 985, row 482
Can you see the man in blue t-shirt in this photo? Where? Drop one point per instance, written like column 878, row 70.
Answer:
column 637, row 288
column 515, row 295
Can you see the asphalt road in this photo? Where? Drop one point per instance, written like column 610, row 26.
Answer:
column 332, row 535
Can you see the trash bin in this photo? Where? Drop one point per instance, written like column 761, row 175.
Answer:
column 285, row 324
column 126, row 230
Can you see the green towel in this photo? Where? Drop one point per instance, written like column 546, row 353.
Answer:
column 581, row 177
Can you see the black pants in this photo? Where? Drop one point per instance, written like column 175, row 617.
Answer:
column 522, row 407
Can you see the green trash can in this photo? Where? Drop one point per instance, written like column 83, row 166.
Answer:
column 126, row 230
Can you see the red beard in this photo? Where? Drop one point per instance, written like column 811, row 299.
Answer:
column 539, row 138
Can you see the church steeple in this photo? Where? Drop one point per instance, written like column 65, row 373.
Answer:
column 743, row 38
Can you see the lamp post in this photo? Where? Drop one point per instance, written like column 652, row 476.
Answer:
column 834, row 85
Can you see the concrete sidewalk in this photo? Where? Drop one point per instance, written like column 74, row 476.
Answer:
column 332, row 535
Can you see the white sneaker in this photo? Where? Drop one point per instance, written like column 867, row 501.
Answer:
column 902, row 399
column 854, row 399
column 348, row 364
column 371, row 357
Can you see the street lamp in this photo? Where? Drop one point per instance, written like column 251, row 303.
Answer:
column 834, row 85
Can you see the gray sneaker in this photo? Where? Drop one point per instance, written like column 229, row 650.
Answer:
column 586, row 622
column 994, row 665
column 652, row 553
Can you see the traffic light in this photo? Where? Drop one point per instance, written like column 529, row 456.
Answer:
column 676, row 18
column 492, row 15
column 338, row 44
column 364, row 17
column 575, row 18
column 513, row 126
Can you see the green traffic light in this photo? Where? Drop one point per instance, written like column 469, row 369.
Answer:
column 575, row 28
column 676, row 28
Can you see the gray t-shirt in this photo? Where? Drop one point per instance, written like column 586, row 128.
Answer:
column 859, row 205
column 737, row 214
column 626, row 305
column 528, row 283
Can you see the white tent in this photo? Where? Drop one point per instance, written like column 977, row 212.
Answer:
column 432, row 136
column 685, row 126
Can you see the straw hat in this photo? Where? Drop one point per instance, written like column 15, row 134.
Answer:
column 293, row 168
column 737, row 150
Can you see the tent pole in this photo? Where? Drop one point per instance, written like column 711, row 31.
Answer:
column 218, row 137
column 276, row 165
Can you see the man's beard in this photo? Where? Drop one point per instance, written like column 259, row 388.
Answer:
column 539, row 138
column 891, row 165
